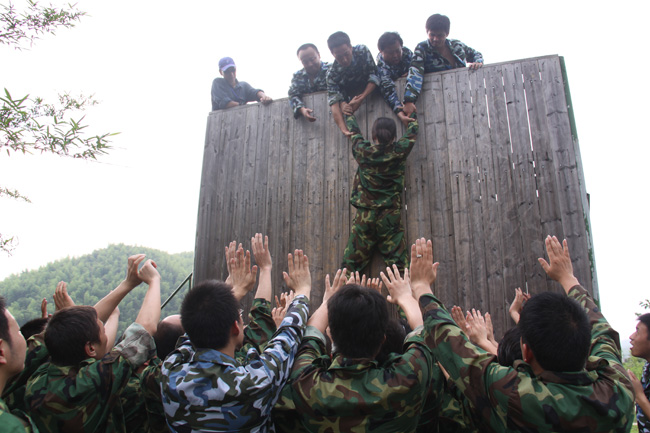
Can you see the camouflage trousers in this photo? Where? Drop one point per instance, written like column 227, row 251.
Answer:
column 379, row 229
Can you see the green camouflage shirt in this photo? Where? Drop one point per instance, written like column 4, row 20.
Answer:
column 207, row 390
column 150, row 382
column 37, row 355
column 379, row 180
column 260, row 328
column 15, row 422
column 302, row 85
column 86, row 398
column 596, row 399
column 345, row 83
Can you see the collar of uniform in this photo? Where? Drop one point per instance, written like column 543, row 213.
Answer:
column 186, row 352
column 355, row 364
column 579, row 378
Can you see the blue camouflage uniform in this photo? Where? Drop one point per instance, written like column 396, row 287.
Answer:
column 302, row 85
column 207, row 390
column 389, row 73
column 427, row 59
column 642, row 421
column 343, row 84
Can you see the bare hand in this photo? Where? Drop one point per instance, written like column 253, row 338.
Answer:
column 459, row 317
column 474, row 66
column 298, row 279
column 243, row 276
column 44, row 309
column 231, row 251
column 422, row 270
column 518, row 304
column 61, row 297
column 560, row 268
column 261, row 252
column 346, row 109
column 476, row 329
column 375, row 284
column 339, row 281
column 148, row 272
column 307, row 113
column 490, row 329
column 404, row 118
column 132, row 277
column 280, row 310
column 399, row 288
column 409, row 108
column 265, row 100
column 636, row 383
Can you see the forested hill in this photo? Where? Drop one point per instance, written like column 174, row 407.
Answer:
column 91, row 277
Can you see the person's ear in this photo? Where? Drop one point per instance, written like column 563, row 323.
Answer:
column 90, row 349
column 235, row 329
column 527, row 354
column 3, row 347
column 221, row 72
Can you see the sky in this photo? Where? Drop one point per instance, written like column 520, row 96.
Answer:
column 151, row 65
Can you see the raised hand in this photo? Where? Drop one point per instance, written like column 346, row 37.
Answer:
column 298, row 279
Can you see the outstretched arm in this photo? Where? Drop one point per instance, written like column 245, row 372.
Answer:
column 265, row 264
column 402, row 295
column 107, row 304
column 320, row 318
column 242, row 275
column 299, row 278
column 560, row 268
column 149, row 314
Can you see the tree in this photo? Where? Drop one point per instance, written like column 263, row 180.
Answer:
column 29, row 124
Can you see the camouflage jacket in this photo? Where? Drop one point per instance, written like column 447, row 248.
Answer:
column 37, row 355
column 260, row 328
column 206, row 390
column 133, row 404
column 344, row 84
column 302, row 85
column 358, row 395
column 150, row 389
column 389, row 73
column 596, row 399
column 16, row 422
column 86, row 398
column 379, row 180
column 426, row 59
column 642, row 420
column 222, row 93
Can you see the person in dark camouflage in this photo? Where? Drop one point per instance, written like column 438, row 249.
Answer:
column 571, row 378
column 205, row 386
column 350, row 79
column 393, row 62
column 311, row 78
column 80, row 389
column 435, row 54
column 376, row 193
column 640, row 348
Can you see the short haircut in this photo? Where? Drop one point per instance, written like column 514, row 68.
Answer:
column 305, row 46
column 166, row 336
column 33, row 327
column 357, row 320
column 438, row 22
column 67, row 333
column 389, row 38
column 4, row 323
column 394, row 343
column 384, row 130
column 556, row 329
column 207, row 314
column 510, row 347
column 337, row 39
column 645, row 319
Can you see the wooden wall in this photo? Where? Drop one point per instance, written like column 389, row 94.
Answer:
column 495, row 169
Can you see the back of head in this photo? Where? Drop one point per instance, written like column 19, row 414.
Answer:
column 384, row 130
column 510, row 347
column 357, row 321
column 306, row 46
column 438, row 22
column 67, row 333
column 207, row 314
column 167, row 334
column 394, row 343
column 556, row 329
column 337, row 39
column 387, row 39
column 33, row 327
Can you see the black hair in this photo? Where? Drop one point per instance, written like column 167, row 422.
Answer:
column 384, row 130
column 33, row 327
column 389, row 38
column 305, row 46
column 208, row 312
column 394, row 343
column 4, row 323
column 67, row 333
column 645, row 319
column 166, row 336
column 556, row 329
column 438, row 22
column 510, row 347
column 337, row 39
column 357, row 320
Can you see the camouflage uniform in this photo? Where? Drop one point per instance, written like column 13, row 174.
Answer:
column 16, row 422
column 343, row 84
column 358, row 395
column 260, row 329
column 132, row 400
column 376, row 193
column 150, row 389
column 37, row 355
column 426, row 59
column 86, row 398
column 222, row 93
column 389, row 73
column 206, row 390
column 642, row 421
column 302, row 85
column 596, row 399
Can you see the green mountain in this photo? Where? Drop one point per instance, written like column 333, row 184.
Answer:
column 91, row 277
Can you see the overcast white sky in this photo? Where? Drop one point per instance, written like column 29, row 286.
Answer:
column 151, row 65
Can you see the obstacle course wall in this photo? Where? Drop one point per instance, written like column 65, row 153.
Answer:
column 495, row 169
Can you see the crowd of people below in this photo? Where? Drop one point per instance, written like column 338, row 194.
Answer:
column 347, row 366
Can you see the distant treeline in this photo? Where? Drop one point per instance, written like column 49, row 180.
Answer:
column 91, row 277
